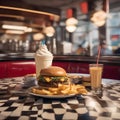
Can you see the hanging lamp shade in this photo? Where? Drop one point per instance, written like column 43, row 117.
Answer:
column 49, row 31
column 71, row 21
column 71, row 28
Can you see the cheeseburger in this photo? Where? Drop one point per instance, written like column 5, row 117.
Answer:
column 52, row 76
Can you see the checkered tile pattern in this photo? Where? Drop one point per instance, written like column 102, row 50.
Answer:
column 16, row 104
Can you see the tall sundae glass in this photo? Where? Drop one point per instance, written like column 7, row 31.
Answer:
column 43, row 58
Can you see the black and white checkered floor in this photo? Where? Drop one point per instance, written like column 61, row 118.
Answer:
column 16, row 104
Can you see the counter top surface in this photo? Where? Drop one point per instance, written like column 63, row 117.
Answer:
column 16, row 103
column 76, row 58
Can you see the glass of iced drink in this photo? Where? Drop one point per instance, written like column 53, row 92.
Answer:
column 96, row 77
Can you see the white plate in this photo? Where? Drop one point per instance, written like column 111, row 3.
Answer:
column 50, row 96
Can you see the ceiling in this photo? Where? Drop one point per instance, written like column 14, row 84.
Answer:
column 49, row 6
column 59, row 4
column 43, row 12
column 51, row 3
column 114, row 4
column 52, row 7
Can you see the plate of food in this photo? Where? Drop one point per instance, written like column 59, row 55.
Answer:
column 62, row 91
column 53, row 82
column 48, row 93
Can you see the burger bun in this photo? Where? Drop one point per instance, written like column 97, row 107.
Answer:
column 53, row 71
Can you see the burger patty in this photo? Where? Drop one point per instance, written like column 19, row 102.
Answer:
column 53, row 79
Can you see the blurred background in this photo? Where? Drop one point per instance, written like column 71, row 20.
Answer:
column 78, row 25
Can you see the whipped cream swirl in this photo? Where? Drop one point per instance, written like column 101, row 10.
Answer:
column 43, row 51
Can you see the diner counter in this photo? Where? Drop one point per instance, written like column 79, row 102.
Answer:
column 112, row 60
column 17, row 104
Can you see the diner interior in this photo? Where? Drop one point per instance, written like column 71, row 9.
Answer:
column 36, row 16
column 80, row 38
column 73, row 42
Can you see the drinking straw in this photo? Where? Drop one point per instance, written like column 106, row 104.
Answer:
column 98, row 56
column 43, row 42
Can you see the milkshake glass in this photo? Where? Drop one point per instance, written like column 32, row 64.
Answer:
column 43, row 59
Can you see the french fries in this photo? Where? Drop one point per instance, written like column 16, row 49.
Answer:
column 61, row 90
